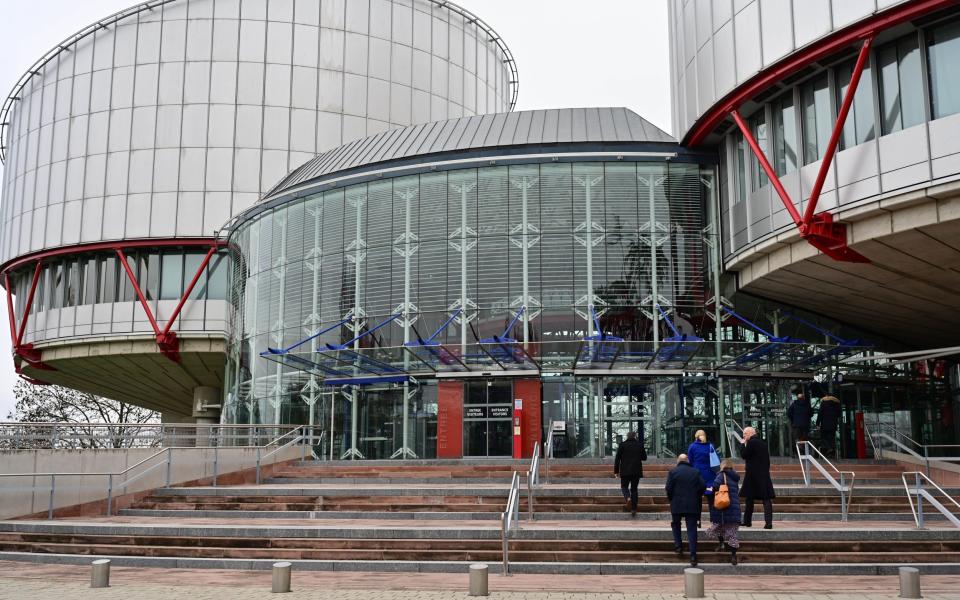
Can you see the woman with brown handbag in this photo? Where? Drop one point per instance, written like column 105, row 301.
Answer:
column 725, row 509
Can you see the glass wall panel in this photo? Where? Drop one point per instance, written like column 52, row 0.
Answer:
column 785, row 134
column 171, row 276
column 758, row 126
column 817, row 118
column 901, row 84
column 943, row 54
column 860, row 124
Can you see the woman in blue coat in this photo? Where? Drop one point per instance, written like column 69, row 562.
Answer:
column 699, row 454
column 725, row 524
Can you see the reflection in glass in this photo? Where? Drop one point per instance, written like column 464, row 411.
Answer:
column 859, row 126
column 817, row 121
column 785, row 134
column 901, row 84
column 943, row 53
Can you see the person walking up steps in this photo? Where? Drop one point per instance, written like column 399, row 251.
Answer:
column 704, row 458
column 757, row 484
column 725, row 510
column 685, row 486
column 628, row 465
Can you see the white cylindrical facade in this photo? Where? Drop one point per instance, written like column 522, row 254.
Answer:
column 163, row 121
column 171, row 120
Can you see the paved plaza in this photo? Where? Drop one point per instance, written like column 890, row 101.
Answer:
column 27, row 582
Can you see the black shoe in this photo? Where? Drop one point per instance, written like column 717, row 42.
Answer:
column 733, row 558
column 721, row 547
column 693, row 561
column 678, row 552
column 633, row 514
column 768, row 526
column 746, row 524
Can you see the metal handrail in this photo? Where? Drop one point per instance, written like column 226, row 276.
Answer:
column 16, row 435
column 732, row 433
column 168, row 462
column 548, row 454
column 300, row 437
column 510, row 519
column 844, row 486
column 895, row 440
column 921, row 493
column 533, row 478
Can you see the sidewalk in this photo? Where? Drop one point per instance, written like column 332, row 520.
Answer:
column 29, row 582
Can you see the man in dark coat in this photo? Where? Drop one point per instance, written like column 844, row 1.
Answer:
column 800, row 413
column 827, row 420
column 628, row 465
column 757, row 484
column 685, row 487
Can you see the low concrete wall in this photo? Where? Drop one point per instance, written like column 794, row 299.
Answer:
column 84, row 491
column 944, row 473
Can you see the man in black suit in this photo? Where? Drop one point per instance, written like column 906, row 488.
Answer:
column 685, row 487
column 628, row 465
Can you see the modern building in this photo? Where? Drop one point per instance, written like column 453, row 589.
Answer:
column 129, row 144
column 419, row 271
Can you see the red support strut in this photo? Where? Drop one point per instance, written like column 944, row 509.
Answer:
column 820, row 230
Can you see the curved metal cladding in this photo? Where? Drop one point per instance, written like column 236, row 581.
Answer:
column 552, row 210
column 163, row 121
column 888, row 189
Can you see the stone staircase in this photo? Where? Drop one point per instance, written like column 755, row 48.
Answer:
column 439, row 516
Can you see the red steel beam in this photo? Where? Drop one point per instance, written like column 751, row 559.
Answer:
column 837, row 131
column 767, row 168
column 139, row 292
column 186, row 293
column 112, row 246
column 818, row 50
column 29, row 304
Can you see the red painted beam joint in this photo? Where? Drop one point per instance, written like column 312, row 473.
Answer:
column 819, row 229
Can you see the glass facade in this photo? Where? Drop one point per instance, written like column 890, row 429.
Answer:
column 555, row 237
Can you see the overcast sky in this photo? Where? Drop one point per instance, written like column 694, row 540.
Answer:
column 568, row 52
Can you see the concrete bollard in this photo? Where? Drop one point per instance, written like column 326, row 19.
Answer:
column 909, row 582
column 478, row 580
column 281, row 577
column 100, row 573
column 693, row 583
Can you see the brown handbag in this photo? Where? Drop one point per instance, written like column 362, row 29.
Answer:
column 721, row 497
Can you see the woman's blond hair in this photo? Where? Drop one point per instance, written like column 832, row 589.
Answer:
column 726, row 464
column 700, row 433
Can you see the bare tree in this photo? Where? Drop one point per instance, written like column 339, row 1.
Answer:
column 77, row 412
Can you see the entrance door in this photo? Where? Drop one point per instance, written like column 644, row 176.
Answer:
column 488, row 418
column 626, row 405
column 762, row 404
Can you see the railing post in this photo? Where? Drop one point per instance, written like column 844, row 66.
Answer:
column 530, row 495
column 110, row 494
column 843, row 497
column 53, row 488
column 216, row 464
column 258, row 465
column 926, row 459
column 169, row 464
column 919, row 502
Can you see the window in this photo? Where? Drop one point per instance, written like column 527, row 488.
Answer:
column 785, row 134
column 171, row 276
column 901, row 84
column 740, row 177
column 217, row 277
column 193, row 262
column 72, row 288
column 817, row 121
column 758, row 126
column 125, row 288
column 56, row 285
column 943, row 53
column 90, row 280
column 108, row 279
column 860, row 125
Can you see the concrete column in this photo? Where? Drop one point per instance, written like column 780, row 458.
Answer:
column 206, row 411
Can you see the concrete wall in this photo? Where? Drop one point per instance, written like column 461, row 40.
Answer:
column 85, row 491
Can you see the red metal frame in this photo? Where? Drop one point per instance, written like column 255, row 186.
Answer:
column 820, row 230
column 166, row 339
column 818, row 50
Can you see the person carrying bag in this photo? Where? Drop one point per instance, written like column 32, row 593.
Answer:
column 725, row 511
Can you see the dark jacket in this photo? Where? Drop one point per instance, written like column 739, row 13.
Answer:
column 685, row 489
column 756, row 474
column 699, row 453
column 731, row 514
column 629, row 459
column 829, row 415
column 800, row 413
